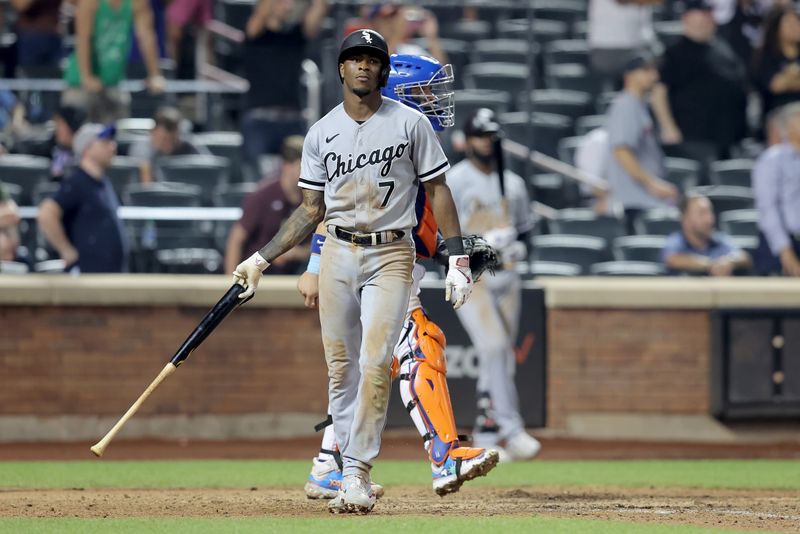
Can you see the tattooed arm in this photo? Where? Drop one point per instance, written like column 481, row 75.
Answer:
column 296, row 228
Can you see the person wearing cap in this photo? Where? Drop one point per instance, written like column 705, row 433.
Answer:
column 491, row 316
column 165, row 140
column 272, row 105
column 263, row 212
column 701, row 104
column 80, row 221
column 635, row 160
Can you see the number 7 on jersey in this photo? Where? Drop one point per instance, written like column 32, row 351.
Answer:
column 390, row 185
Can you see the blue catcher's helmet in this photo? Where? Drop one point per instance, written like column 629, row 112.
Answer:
column 424, row 84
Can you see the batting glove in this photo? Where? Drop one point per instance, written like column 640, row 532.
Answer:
column 248, row 273
column 458, row 284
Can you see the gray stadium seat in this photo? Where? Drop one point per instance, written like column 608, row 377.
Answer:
column 580, row 250
column 645, row 248
column 659, row 221
column 567, row 11
column 224, row 144
column 163, row 195
column 569, row 76
column 13, row 267
column 123, row 172
column 732, row 172
column 584, row 125
column 24, row 171
column 567, row 147
column 50, row 266
column 231, row 195
column 510, row 77
column 467, row 101
column 580, row 29
column 503, row 51
column 44, row 190
column 572, row 104
column 739, row 222
column 190, row 261
column 747, row 243
column 566, row 51
column 668, row 32
column 585, row 222
column 683, row 173
column 603, row 101
column 207, row 172
column 140, row 126
column 627, row 268
column 543, row 30
column 14, row 191
column 727, row 197
column 548, row 129
column 465, row 30
column 553, row 190
column 553, row 268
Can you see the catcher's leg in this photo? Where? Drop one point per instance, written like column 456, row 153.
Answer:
column 423, row 388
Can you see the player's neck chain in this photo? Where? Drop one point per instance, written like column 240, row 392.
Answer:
column 337, row 165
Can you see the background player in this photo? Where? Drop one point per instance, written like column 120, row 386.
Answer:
column 421, row 83
column 492, row 317
column 361, row 167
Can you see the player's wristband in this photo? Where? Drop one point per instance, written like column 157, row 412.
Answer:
column 455, row 246
column 317, row 241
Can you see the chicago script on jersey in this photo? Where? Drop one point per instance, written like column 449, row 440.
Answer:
column 337, row 165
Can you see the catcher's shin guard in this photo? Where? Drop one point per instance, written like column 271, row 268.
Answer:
column 424, row 386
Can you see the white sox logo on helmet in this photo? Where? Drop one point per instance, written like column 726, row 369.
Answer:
column 366, row 36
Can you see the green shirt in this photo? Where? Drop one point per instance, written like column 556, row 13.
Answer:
column 111, row 43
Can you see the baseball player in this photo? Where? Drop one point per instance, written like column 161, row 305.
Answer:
column 361, row 167
column 424, row 84
column 502, row 214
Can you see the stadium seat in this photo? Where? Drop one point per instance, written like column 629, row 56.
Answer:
column 584, row 125
column 566, row 51
column 739, row 223
column 572, row 104
column 553, row 268
column 727, row 197
column 745, row 242
column 50, row 266
column 584, row 221
column 13, row 267
column 224, row 144
column 603, row 101
column 502, row 51
column 163, row 195
column 682, row 173
column 567, row 11
column 14, row 191
column 44, row 190
column 207, row 172
column 467, row 101
column 123, row 172
column 627, row 268
column 543, row 30
column 668, row 32
column 24, row 171
column 548, row 129
column 569, row 76
column 510, row 77
column 732, row 172
column 645, row 248
column 465, row 30
column 567, row 147
column 190, row 261
column 580, row 29
column 553, row 190
column 659, row 221
column 140, row 126
column 231, row 195
column 579, row 250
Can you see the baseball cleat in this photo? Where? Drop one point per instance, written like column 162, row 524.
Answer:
column 463, row 464
column 356, row 496
column 325, row 481
column 522, row 446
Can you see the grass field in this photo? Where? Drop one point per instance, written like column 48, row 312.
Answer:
column 266, row 496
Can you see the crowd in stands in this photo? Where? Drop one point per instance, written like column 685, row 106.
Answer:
column 689, row 111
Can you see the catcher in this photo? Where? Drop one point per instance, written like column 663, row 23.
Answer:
column 419, row 359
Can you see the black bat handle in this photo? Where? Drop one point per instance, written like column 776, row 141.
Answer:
column 497, row 145
column 213, row 318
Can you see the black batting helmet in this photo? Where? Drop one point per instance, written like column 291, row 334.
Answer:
column 368, row 41
column 482, row 122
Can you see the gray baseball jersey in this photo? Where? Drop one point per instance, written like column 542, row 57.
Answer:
column 491, row 315
column 370, row 171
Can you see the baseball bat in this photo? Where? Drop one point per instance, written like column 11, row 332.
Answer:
column 213, row 318
column 497, row 147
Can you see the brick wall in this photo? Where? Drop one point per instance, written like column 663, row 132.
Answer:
column 627, row 361
column 90, row 360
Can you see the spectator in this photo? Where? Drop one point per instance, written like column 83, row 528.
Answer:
column 618, row 31
column 38, row 36
column 263, row 212
column 776, row 185
column 136, row 61
column 102, row 44
column 697, row 248
column 66, row 120
column 591, row 157
column 165, row 140
column 777, row 62
column 739, row 23
column 399, row 23
column 272, row 105
column 180, row 14
column 9, row 230
column 635, row 161
column 701, row 106
column 80, row 221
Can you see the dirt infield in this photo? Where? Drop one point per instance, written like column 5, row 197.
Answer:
column 396, row 446
column 729, row 509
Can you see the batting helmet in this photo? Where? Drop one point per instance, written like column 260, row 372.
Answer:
column 482, row 122
column 424, row 84
column 368, row 41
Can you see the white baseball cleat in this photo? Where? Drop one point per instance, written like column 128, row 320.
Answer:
column 469, row 463
column 357, row 494
column 522, row 446
column 325, row 481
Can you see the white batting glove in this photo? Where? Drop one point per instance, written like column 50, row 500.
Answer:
column 458, row 284
column 248, row 273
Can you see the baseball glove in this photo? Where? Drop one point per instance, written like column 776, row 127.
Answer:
column 482, row 256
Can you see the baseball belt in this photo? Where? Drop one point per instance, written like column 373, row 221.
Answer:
column 364, row 240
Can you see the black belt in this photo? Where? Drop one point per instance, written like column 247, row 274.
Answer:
column 371, row 239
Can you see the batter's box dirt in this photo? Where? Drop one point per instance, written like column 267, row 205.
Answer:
column 751, row 510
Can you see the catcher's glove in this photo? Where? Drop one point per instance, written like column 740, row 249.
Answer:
column 482, row 255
